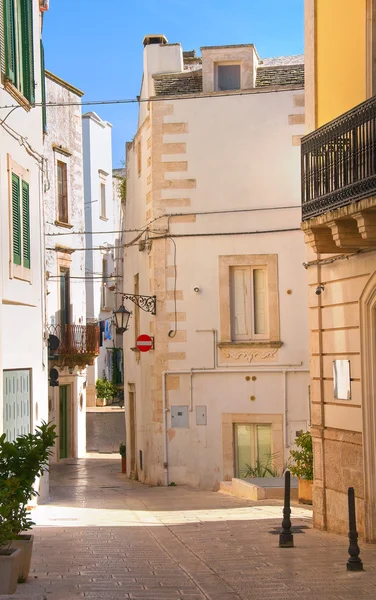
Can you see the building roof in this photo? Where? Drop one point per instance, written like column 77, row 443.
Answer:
column 174, row 84
column 63, row 83
column 296, row 59
column 280, row 75
column 271, row 72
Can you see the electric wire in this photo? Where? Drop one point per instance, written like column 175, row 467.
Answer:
column 139, row 100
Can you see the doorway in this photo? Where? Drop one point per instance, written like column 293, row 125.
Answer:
column 64, row 420
column 253, row 447
column 132, row 428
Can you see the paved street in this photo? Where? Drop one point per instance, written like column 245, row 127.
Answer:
column 105, row 538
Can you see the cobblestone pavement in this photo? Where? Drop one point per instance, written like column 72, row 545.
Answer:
column 105, row 538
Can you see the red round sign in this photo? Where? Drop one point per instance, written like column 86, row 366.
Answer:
column 144, row 343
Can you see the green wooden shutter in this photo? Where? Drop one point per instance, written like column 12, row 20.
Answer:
column 10, row 41
column 25, row 225
column 27, row 50
column 16, row 219
column 43, row 80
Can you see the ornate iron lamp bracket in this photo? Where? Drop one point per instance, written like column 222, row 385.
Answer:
column 146, row 303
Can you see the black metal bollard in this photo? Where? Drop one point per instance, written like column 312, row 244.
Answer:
column 353, row 563
column 286, row 538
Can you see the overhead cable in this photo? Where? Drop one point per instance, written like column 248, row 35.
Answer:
column 139, row 100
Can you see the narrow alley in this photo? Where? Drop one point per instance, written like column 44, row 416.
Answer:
column 107, row 538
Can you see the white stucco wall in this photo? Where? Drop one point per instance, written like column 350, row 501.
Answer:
column 22, row 302
column 97, row 161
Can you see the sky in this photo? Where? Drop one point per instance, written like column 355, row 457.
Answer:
column 96, row 45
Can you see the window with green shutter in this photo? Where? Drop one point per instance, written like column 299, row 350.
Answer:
column 25, row 225
column 20, row 222
column 43, row 79
column 27, row 50
column 9, row 25
column 19, row 46
column 16, row 219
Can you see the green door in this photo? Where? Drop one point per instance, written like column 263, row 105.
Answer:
column 63, row 421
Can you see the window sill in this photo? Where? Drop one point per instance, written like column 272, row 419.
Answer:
column 251, row 344
column 62, row 224
column 16, row 94
column 21, row 273
column 103, row 218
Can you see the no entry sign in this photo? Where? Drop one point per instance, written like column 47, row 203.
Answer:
column 144, row 343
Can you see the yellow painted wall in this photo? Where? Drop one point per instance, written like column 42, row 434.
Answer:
column 340, row 57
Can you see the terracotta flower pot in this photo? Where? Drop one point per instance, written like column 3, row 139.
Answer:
column 9, row 570
column 24, row 542
column 305, row 491
column 123, row 464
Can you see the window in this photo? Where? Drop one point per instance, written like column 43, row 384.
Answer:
column 103, row 200
column 139, row 159
column 248, row 300
column 62, row 192
column 228, row 77
column 19, row 51
column 20, row 203
column 253, row 444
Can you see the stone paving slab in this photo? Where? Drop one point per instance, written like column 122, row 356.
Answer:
column 103, row 537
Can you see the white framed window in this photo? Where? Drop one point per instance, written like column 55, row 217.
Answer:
column 103, row 200
column 103, row 194
column 227, row 77
column 248, row 303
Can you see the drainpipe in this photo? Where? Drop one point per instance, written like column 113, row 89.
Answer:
column 165, row 445
column 285, row 412
column 255, row 369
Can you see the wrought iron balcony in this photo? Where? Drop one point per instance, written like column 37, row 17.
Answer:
column 77, row 344
column 339, row 161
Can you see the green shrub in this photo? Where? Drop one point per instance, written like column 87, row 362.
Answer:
column 303, row 457
column 106, row 389
column 122, row 450
column 21, row 462
column 262, row 468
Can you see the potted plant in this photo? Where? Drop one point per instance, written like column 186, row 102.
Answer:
column 21, row 462
column 303, row 466
column 106, row 390
column 123, row 454
column 9, row 557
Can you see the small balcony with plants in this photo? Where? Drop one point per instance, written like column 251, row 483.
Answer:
column 338, row 177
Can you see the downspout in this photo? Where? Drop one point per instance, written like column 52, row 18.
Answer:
column 286, row 430
column 165, row 445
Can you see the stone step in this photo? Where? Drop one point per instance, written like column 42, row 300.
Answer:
column 225, row 487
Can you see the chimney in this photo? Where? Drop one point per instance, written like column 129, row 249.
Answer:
column 155, row 38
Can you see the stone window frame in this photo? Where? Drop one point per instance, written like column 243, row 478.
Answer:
column 270, row 262
column 62, row 155
column 229, row 420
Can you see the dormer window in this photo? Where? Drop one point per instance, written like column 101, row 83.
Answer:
column 227, row 77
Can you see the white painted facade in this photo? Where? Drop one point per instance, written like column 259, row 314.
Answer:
column 22, row 308
column 65, row 264
column 207, row 176
column 99, row 246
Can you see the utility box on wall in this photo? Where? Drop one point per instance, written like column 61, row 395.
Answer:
column 201, row 415
column 179, row 416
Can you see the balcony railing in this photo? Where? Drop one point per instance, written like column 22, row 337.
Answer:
column 339, row 161
column 78, row 344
